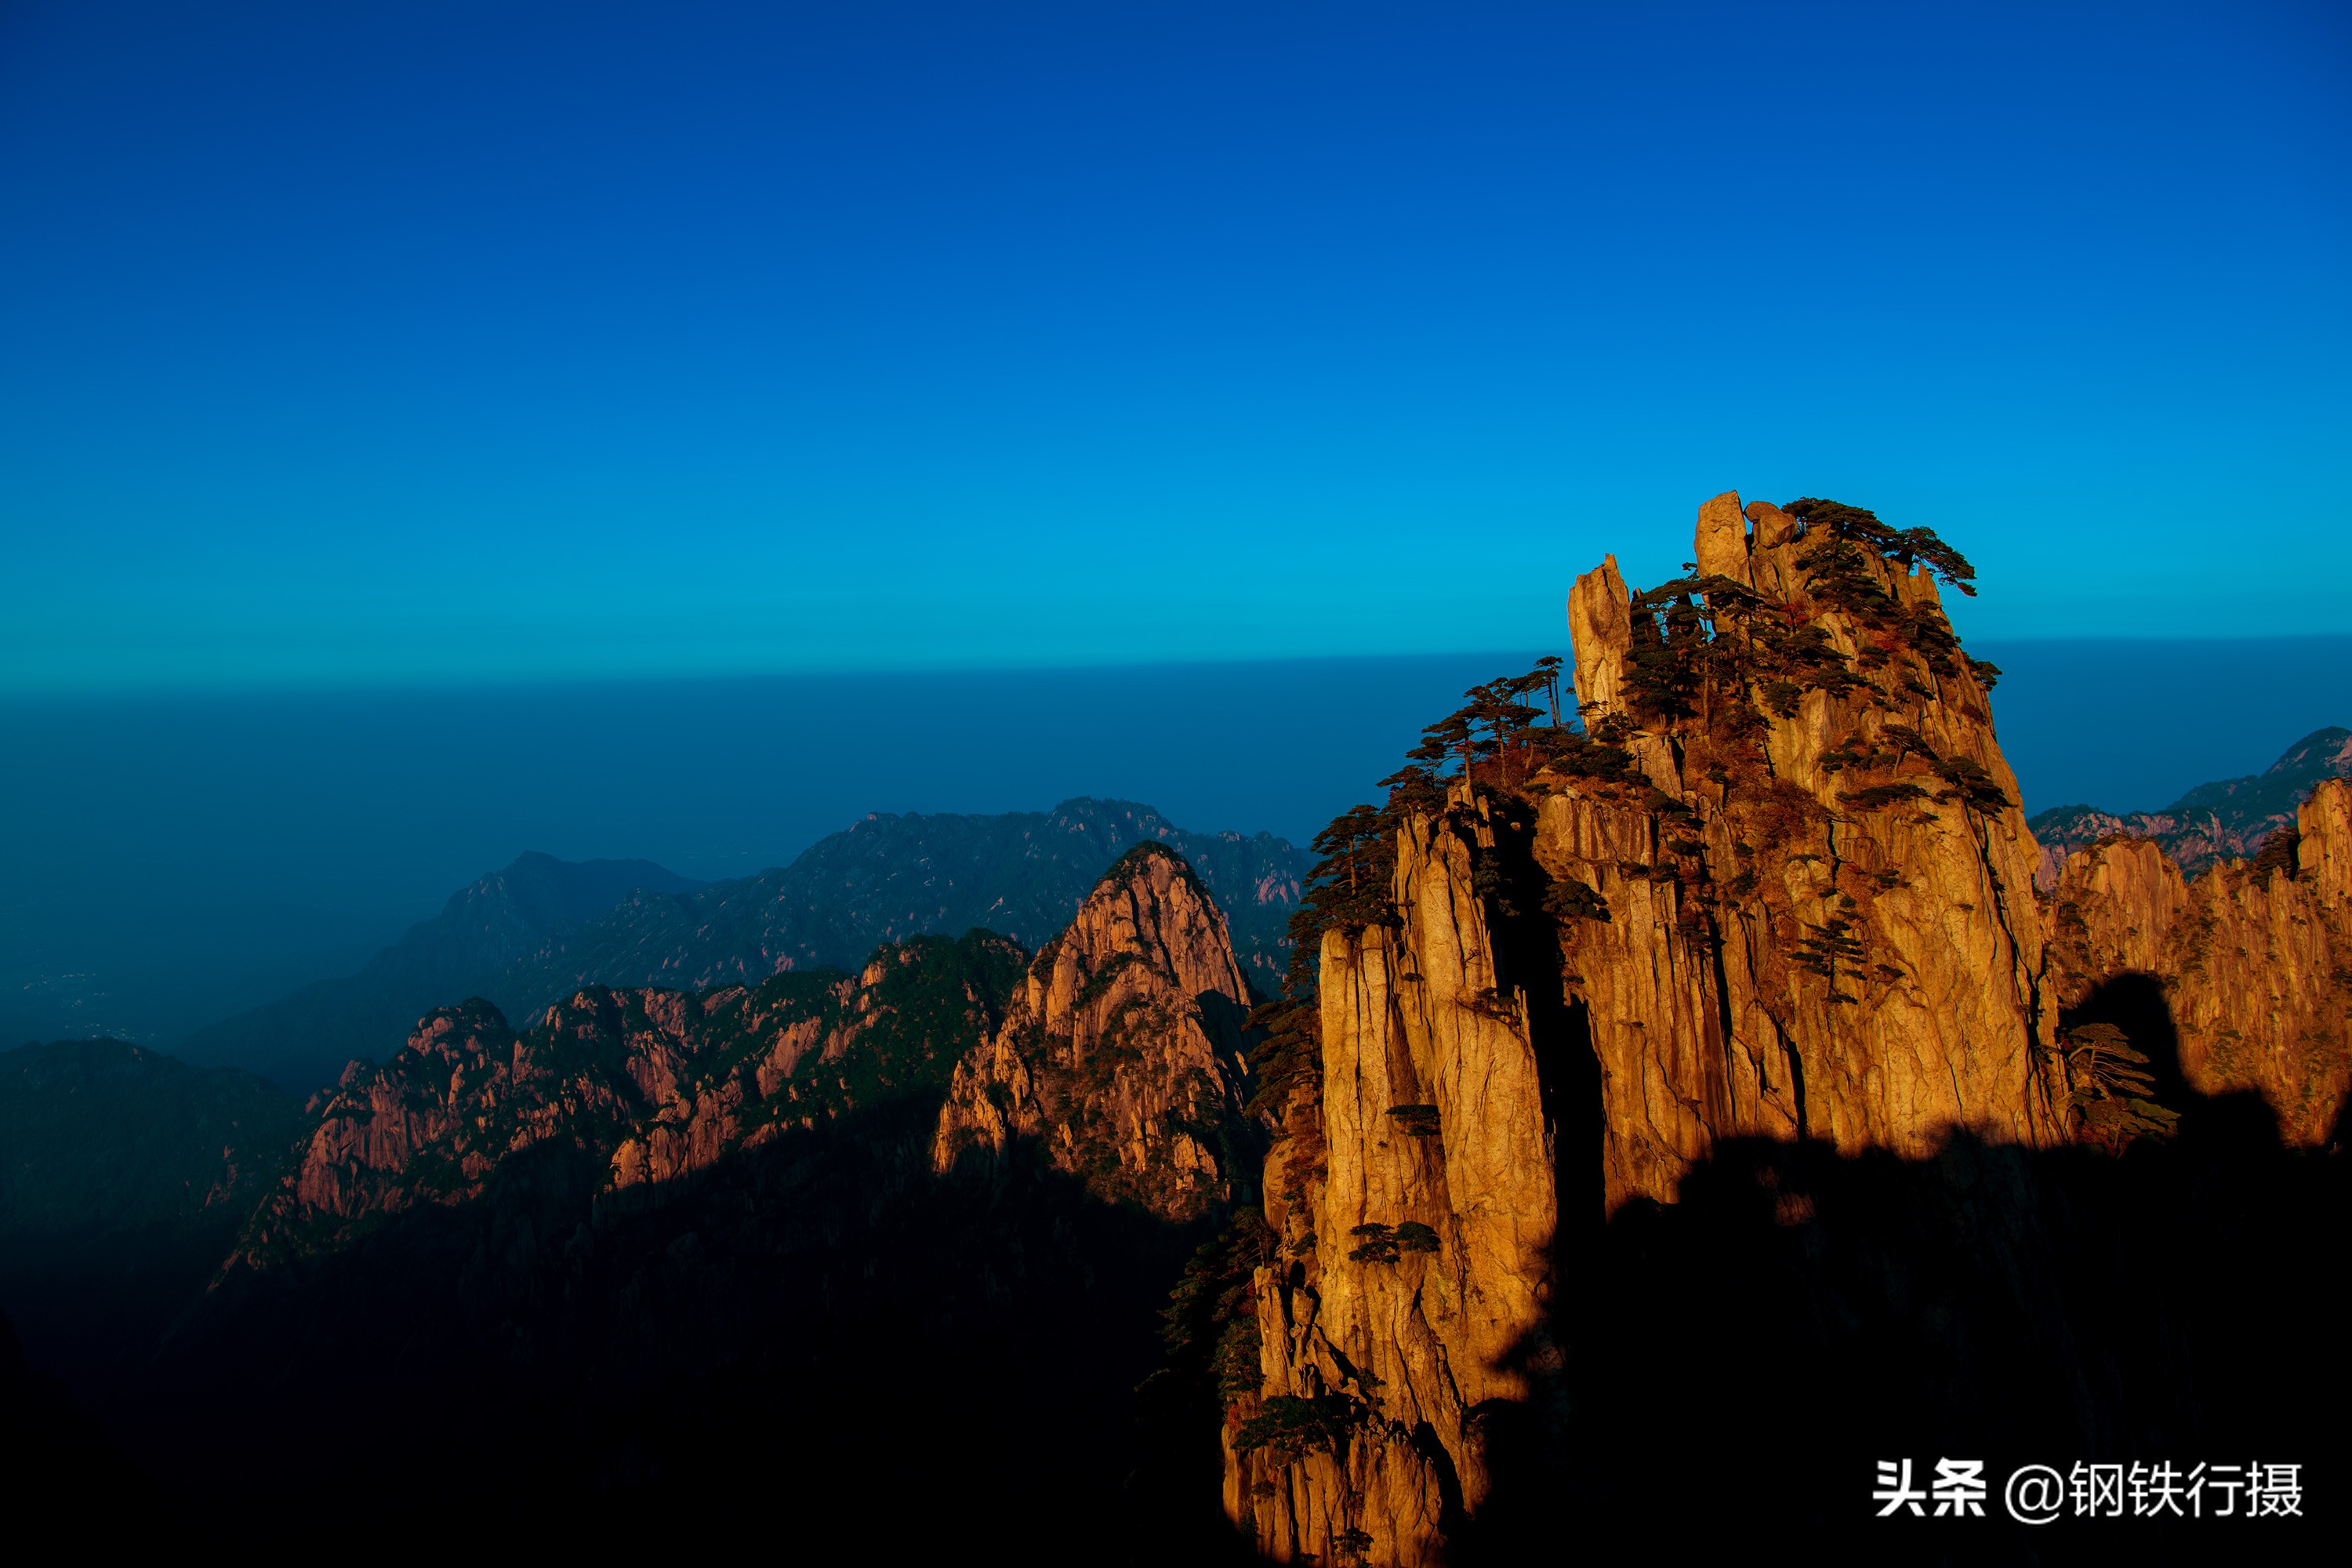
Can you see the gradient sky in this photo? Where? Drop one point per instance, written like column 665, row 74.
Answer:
column 385, row 344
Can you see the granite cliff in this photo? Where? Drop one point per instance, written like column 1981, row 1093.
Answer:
column 2252, row 960
column 1124, row 1050
column 637, row 1086
column 1778, row 893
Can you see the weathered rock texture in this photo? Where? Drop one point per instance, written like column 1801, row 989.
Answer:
column 2228, row 819
column 1791, row 896
column 1819, row 919
column 1123, row 1051
column 1819, row 913
column 651, row 1085
column 1416, row 1279
column 2253, row 959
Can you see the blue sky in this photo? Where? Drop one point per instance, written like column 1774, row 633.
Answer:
column 373, row 344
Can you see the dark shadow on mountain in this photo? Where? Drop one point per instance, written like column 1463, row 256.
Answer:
column 125, row 1177
column 1740, row 1361
column 1559, row 1027
column 2135, row 1003
column 90, row 1307
column 818, row 1338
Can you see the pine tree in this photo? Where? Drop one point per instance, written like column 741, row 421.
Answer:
column 2111, row 1099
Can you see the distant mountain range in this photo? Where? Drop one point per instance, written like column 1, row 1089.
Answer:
column 534, row 933
column 2226, row 819
column 486, row 929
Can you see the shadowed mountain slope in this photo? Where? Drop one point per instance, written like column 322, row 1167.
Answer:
column 124, row 1175
column 662, row 1242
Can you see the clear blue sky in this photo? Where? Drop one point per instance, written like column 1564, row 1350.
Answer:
column 377, row 344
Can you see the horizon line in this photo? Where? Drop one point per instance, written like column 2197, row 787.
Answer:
column 412, row 685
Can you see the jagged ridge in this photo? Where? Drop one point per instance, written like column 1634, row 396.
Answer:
column 2228, row 818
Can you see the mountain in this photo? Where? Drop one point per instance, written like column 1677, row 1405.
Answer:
column 1690, row 1114
column 1124, row 1052
column 124, row 1175
column 302, row 1040
column 665, row 1242
column 1705, row 1094
column 533, row 934
column 2228, row 818
column 891, row 877
column 639, row 1087
column 100, row 1136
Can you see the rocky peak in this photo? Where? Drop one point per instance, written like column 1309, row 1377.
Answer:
column 1782, row 888
column 639, row 1085
column 1122, row 1053
column 1149, row 909
column 1820, row 923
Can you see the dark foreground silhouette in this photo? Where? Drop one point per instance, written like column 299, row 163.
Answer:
column 819, row 1339
column 824, row 1342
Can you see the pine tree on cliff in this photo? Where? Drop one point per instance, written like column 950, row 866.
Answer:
column 1840, row 521
column 1548, row 667
column 2111, row 1102
column 1442, row 742
column 1501, row 705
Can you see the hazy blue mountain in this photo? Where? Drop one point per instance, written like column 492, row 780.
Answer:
column 889, row 877
column 2227, row 818
column 304, row 1039
column 534, row 933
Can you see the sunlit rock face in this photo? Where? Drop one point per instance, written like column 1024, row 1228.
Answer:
column 2252, row 960
column 1122, row 1053
column 636, row 1087
column 1821, row 919
column 1792, row 897
column 1415, row 1279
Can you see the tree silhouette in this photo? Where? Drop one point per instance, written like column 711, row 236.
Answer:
column 1852, row 522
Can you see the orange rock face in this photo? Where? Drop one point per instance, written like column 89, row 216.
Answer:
column 1820, row 918
column 652, row 1084
column 1791, row 897
column 1801, row 907
column 2253, row 961
column 1122, row 1054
